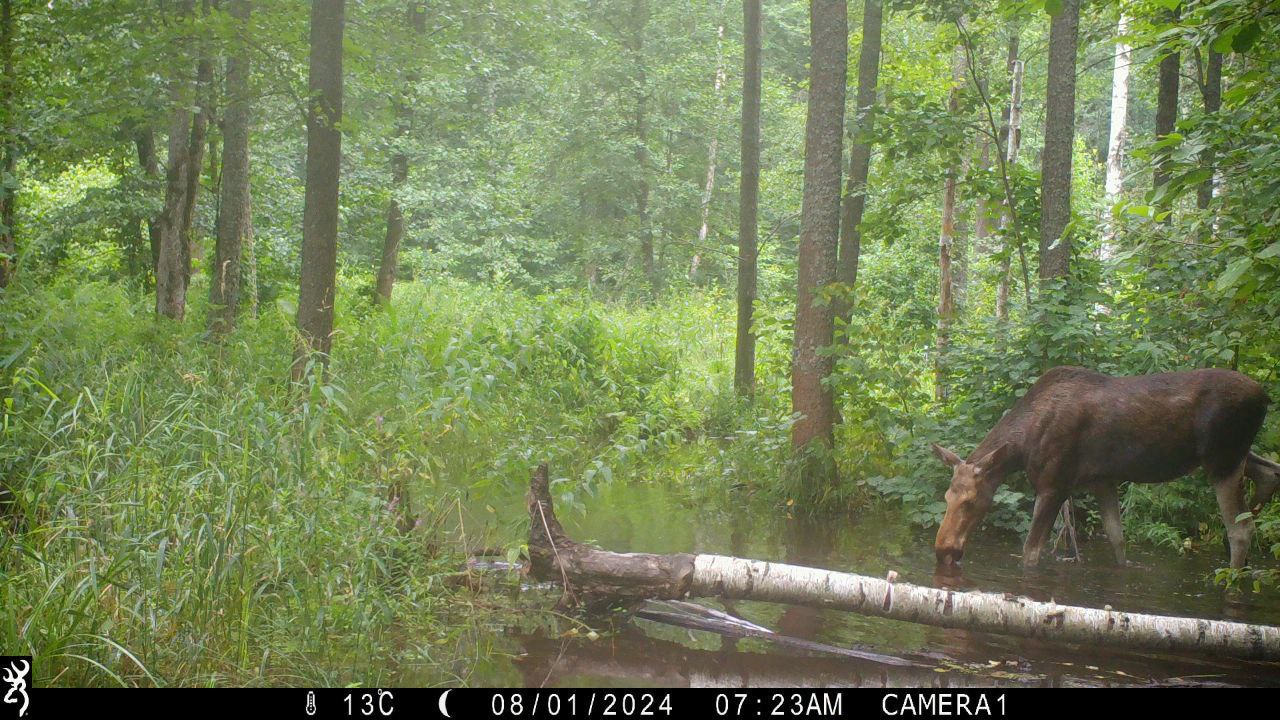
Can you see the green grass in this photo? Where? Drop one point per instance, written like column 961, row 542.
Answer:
column 181, row 515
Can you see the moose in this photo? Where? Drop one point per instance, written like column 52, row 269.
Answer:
column 1076, row 429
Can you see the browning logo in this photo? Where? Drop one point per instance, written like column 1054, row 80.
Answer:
column 15, row 671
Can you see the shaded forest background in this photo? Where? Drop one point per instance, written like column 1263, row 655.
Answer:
column 529, row 246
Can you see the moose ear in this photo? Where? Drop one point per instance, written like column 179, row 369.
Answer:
column 946, row 455
column 994, row 459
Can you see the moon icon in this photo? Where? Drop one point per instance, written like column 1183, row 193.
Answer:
column 444, row 696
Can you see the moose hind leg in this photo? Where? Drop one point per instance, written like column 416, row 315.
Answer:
column 1109, row 506
column 1230, row 491
column 1046, row 511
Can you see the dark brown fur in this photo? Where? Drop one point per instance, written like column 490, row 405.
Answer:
column 1077, row 429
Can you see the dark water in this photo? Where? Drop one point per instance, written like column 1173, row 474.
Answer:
column 650, row 518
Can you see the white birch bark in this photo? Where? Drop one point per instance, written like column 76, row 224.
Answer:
column 712, row 150
column 1012, row 142
column 1119, row 128
column 718, row 575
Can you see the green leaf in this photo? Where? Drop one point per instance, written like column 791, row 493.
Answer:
column 1222, row 43
column 1053, row 7
column 1247, row 36
column 1233, row 273
column 1272, row 250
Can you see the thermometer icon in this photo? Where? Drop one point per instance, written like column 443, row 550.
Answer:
column 311, row 703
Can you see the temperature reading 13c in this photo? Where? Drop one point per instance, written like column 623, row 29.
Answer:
column 369, row 704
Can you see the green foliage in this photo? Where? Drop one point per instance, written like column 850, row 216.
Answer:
column 180, row 515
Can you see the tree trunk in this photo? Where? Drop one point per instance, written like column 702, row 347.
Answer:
column 712, row 150
column 819, row 230
column 640, row 129
column 1059, row 136
column 145, row 141
column 195, row 155
column 8, row 153
column 855, row 197
column 1211, row 93
column 1010, row 140
column 744, row 360
column 235, row 219
column 1166, row 118
column 173, row 259
column 982, row 209
column 1118, row 133
column 946, row 240
column 320, row 203
column 602, row 578
column 403, row 107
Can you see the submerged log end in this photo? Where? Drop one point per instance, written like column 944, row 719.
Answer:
column 599, row 576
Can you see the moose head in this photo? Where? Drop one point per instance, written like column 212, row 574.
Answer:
column 973, row 485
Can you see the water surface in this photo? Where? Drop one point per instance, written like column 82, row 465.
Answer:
column 626, row 516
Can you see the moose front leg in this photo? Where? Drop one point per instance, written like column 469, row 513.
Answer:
column 1046, row 511
column 1109, row 506
column 1230, row 491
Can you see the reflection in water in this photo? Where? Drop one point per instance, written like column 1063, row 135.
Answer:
column 650, row 517
column 633, row 658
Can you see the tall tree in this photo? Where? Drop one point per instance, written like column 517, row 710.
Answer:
column 235, row 219
column 1059, row 136
column 1010, row 142
column 316, row 286
column 144, row 139
column 403, row 107
column 855, row 197
column 1119, row 125
column 199, row 136
column 982, row 211
column 640, row 131
column 1211, row 95
column 173, row 256
column 1166, row 113
column 946, row 237
column 713, row 148
column 8, row 151
column 744, row 357
column 811, row 397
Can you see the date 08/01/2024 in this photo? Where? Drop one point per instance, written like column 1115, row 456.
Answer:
column 778, row 704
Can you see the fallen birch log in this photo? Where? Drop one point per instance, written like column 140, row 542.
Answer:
column 600, row 577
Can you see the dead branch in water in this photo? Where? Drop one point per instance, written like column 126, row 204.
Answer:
column 602, row 578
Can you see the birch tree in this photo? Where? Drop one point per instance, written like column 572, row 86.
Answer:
column 946, row 238
column 1118, row 130
column 1011, row 139
column 713, row 148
